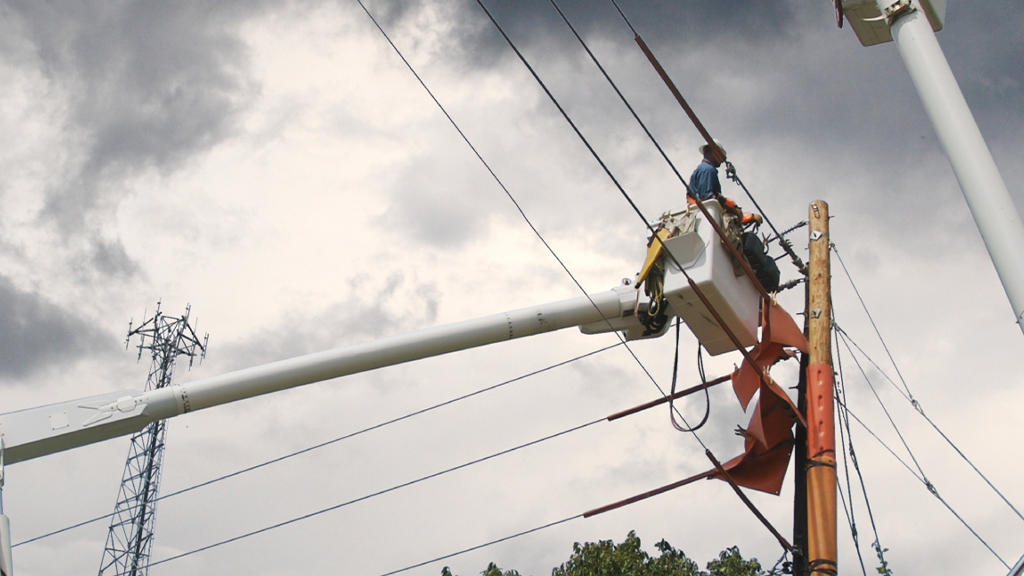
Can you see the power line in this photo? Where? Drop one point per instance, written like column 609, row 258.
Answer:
column 920, row 410
column 885, row 410
column 838, row 332
column 378, row 493
column 922, row 478
column 872, row 320
column 333, row 441
column 848, row 512
column 607, row 171
column 846, row 441
column 906, row 389
column 509, row 193
column 730, row 169
column 565, row 115
column 484, row 545
column 928, row 485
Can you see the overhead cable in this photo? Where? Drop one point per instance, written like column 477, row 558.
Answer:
column 377, row 493
column 509, row 193
column 739, row 258
column 636, row 116
column 565, row 115
column 484, row 545
column 332, row 441
column 872, row 320
column 728, row 245
column 920, row 410
column 846, row 443
column 848, row 512
column 730, row 168
column 884, row 409
column 838, row 332
column 927, row 484
column 906, row 389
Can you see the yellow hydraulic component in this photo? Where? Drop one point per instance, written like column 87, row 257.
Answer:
column 654, row 250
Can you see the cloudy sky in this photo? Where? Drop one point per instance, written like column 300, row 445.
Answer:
column 276, row 166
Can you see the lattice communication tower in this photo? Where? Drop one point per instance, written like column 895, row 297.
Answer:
column 130, row 539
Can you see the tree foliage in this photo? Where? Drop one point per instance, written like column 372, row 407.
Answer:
column 606, row 558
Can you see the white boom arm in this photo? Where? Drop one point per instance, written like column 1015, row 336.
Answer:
column 45, row 430
column 48, row 429
column 696, row 249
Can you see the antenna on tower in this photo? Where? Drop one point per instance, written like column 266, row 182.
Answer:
column 130, row 539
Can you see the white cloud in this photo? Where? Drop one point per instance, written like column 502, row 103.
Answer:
column 335, row 204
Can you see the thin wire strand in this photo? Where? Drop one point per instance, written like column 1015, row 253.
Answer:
column 846, row 442
column 476, row 153
column 731, row 171
column 853, row 525
column 334, row 440
column 872, row 320
column 607, row 171
column 884, row 409
column 624, row 19
column 849, row 433
column 484, row 545
column 378, row 493
column 509, row 194
column 619, row 92
column 881, row 442
column 565, row 115
column 928, row 485
column 920, row 410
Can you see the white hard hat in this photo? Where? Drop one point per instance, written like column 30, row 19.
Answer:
column 717, row 143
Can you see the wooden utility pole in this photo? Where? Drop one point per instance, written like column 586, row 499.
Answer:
column 821, row 436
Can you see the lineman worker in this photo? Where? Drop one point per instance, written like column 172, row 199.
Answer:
column 704, row 184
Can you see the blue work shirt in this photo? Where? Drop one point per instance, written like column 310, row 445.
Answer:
column 704, row 184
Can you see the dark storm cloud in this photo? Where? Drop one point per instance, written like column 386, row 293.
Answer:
column 392, row 305
column 985, row 48
column 535, row 23
column 774, row 80
column 35, row 333
column 151, row 85
column 110, row 259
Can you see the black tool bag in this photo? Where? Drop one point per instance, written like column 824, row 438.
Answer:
column 763, row 265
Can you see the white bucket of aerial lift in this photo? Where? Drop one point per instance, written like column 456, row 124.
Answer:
column 700, row 252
